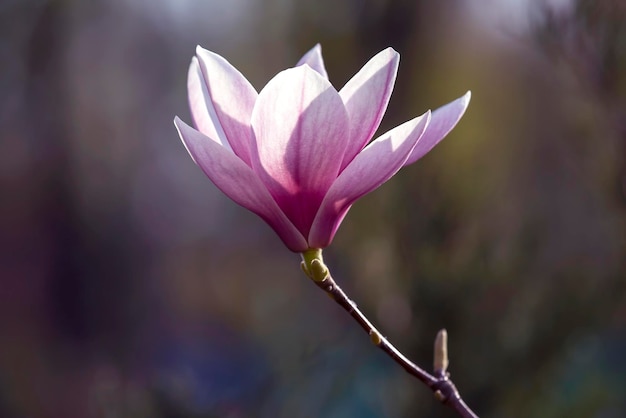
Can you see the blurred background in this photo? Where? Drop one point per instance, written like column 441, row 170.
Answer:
column 131, row 287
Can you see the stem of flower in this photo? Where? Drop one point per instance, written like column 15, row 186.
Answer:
column 444, row 389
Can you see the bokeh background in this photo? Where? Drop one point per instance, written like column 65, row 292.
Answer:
column 131, row 287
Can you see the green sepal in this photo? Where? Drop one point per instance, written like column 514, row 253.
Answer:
column 313, row 265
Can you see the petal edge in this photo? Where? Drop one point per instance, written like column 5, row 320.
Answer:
column 313, row 58
column 232, row 97
column 372, row 167
column 236, row 180
column 443, row 120
column 366, row 96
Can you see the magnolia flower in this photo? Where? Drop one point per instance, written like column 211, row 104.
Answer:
column 298, row 154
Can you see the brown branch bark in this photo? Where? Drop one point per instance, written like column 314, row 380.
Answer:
column 440, row 383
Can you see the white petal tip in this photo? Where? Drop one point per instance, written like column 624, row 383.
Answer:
column 389, row 50
column 464, row 102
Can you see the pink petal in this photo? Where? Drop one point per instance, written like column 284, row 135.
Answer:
column 237, row 181
column 314, row 59
column 233, row 99
column 202, row 110
column 442, row 122
column 366, row 96
column 373, row 166
column 301, row 129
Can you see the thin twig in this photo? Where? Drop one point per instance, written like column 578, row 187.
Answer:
column 444, row 389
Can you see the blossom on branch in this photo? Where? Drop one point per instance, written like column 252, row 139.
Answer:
column 298, row 154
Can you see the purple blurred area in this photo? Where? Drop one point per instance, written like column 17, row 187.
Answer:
column 131, row 287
